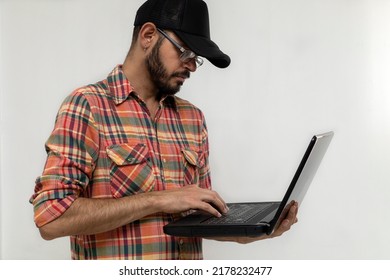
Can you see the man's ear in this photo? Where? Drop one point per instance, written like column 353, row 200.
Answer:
column 148, row 35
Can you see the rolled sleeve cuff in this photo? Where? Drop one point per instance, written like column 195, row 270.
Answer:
column 53, row 196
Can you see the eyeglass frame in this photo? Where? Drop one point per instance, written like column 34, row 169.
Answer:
column 186, row 54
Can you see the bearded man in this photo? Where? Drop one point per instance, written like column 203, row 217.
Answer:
column 127, row 156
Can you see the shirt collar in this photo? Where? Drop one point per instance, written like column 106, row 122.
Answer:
column 120, row 89
column 119, row 86
column 169, row 102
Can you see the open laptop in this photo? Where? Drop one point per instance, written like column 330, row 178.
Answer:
column 256, row 218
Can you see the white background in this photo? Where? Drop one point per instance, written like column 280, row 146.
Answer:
column 298, row 67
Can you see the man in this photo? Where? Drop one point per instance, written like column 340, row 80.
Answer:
column 127, row 156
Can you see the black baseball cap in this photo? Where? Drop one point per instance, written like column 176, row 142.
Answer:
column 189, row 20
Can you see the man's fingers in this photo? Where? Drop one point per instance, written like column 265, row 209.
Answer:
column 203, row 199
column 215, row 201
column 286, row 224
column 207, row 207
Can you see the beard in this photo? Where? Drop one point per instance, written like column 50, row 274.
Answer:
column 160, row 76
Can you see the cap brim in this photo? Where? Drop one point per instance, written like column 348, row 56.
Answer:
column 205, row 48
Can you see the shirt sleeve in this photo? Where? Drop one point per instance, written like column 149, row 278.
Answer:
column 72, row 150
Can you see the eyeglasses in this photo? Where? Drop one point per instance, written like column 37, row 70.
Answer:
column 186, row 55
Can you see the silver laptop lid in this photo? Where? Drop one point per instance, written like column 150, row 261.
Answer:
column 303, row 176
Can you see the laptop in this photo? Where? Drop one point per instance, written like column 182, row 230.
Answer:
column 256, row 218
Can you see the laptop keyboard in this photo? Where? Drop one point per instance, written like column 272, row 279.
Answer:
column 238, row 213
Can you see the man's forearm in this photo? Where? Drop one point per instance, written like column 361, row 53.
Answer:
column 91, row 215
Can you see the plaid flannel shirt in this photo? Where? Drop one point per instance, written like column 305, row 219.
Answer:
column 105, row 145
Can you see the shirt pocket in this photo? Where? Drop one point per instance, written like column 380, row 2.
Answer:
column 131, row 171
column 193, row 161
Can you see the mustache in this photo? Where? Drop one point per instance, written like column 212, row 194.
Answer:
column 183, row 74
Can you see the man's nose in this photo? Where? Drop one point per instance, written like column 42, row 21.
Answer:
column 190, row 65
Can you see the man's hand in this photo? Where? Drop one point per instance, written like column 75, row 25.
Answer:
column 285, row 225
column 190, row 198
